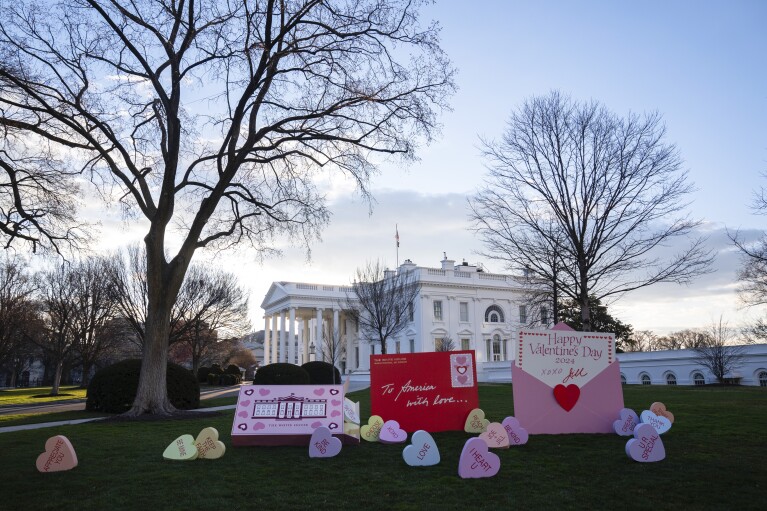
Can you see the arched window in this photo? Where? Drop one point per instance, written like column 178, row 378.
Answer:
column 645, row 379
column 670, row 379
column 623, row 380
column 494, row 314
column 763, row 378
column 698, row 379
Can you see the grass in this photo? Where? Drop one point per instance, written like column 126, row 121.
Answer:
column 715, row 460
column 37, row 395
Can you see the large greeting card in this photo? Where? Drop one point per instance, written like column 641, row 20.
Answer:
column 287, row 414
column 566, row 381
column 428, row 391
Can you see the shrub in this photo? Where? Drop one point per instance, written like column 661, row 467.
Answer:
column 113, row 389
column 202, row 374
column 322, row 373
column 216, row 369
column 233, row 369
column 281, row 374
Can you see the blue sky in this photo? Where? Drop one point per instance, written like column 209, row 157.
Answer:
column 701, row 64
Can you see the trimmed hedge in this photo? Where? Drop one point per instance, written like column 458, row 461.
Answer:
column 113, row 389
column 224, row 379
column 233, row 369
column 202, row 374
column 322, row 373
column 281, row 374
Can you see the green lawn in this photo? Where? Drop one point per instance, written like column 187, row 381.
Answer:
column 715, row 460
column 37, row 395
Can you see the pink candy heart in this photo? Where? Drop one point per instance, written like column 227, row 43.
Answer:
column 477, row 461
column 517, row 434
column 391, row 433
column 627, row 422
column 323, row 444
column 646, row 446
column 495, row 436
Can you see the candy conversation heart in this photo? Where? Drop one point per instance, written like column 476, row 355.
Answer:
column 476, row 461
column 659, row 408
column 59, row 455
column 422, row 451
column 181, row 449
column 660, row 423
column 646, row 446
column 627, row 422
column 323, row 444
column 476, row 422
column 372, row 429
column 209, row 447
column 495, row 436
column 391, row 433
column 517, row 434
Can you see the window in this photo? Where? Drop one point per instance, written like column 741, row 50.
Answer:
column 357, row 355
column 623, row 379
column 523, row 314
column 544, row 316
column 497, row 355
column 763, row 379
column 437, row 310
column 412, row 345
column 396, row 347
column 464, row 309
column 645, row 379
column 698, row 379
column 372, row 349
column 410, row 311
column 670, row 379
column 494, row 314
column 440, row 344
column 465, row 344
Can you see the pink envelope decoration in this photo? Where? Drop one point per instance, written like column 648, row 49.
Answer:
column 566, row 381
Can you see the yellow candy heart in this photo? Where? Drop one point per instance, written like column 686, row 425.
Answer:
column 476, row 422
column 208, row 445
column 181, row 449
column 371, row 431
column 352, row 430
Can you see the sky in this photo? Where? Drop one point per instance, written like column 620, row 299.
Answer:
column 701, row 64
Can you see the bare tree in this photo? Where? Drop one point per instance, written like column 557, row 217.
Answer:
column 333, row 348
column 380, row 301
column 684, row 339
column 210, row 119
column 643, row 340
column 445, row 344
column 17, row 306
column 718, row 354
column 610, row 188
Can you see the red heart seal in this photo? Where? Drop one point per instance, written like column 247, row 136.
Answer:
column 567, row 396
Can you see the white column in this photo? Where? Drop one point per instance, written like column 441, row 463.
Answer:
column 267, row 341
column 283, row 340
column 364, row 355
column 305, row 334
column 292, row 336
column 350, row 362
column 275, row 340
column 335, row 335
column 318, row 337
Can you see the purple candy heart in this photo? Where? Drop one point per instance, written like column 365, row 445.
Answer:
column 627, row 422
column 646, row 446
column 476, row 461
column 391, row 433
column 323, row 444
column 517, row 434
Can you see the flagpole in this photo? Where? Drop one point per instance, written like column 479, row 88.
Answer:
column 396, row 237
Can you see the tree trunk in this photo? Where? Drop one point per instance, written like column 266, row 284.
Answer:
column 86, row 375
column 585, row 311
column 13, row 379
column 57, row 378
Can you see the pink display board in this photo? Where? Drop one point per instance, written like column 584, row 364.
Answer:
column 288, row 414
column 566, row 381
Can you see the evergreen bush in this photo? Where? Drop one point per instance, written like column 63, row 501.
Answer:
column 322, row 373
column 281, row 374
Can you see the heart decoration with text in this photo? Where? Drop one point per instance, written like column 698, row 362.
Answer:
column 372, row 429
column 516, row 433
column 646, row 446
column 181, row 449
column 627, row 422
column 209, row 447
column 323, row 444
column 391, row 433
column 422, row 451
column 660, row 423
column 567, row 396
column 495, row 436
column 351, row 411
column 659, row 408
column 477, row 461
column 59, row 455
column 476, row 422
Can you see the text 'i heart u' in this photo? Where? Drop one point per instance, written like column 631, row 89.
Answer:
column 477, row 461
column 567, row 396
column 422, row 451
column 59, row 455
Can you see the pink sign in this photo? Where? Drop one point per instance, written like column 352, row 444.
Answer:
column 287, row 414
column 566, row 381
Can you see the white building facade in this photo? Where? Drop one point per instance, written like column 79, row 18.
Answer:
column 477, row 310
